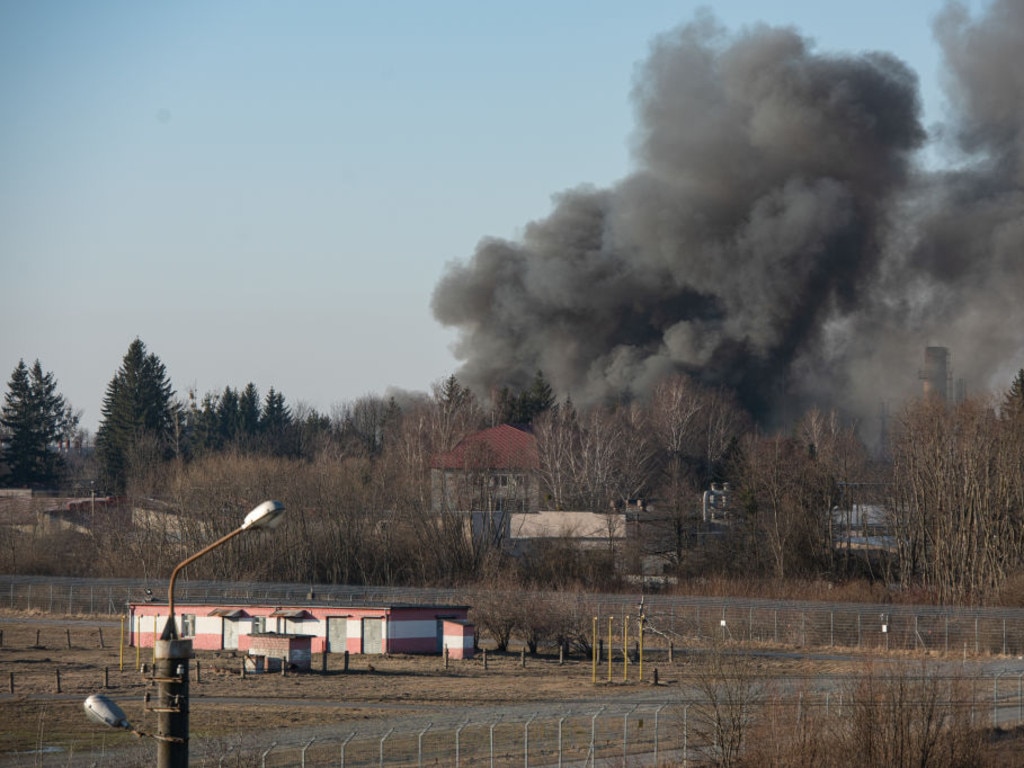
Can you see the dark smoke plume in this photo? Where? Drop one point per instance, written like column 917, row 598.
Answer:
column 777, row 236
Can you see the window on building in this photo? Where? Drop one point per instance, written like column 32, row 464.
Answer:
column 188, row 625
column 259, row 624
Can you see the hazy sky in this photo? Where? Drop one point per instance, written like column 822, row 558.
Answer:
column 269, row 192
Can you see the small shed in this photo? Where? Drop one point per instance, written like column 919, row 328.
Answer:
column 459, row 638
column 269, row 651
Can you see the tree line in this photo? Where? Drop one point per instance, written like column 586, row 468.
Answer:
column 357, row 482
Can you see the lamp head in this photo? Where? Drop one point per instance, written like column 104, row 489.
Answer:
column 106, row 712
column 266, row 515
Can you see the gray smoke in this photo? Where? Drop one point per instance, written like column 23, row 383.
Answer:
column 777, row 236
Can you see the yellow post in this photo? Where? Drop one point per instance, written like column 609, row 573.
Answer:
column 138, row 643
column 610, row 620
column 120, row 653
column 625, row 648
column 593, row 652
column 641, row 648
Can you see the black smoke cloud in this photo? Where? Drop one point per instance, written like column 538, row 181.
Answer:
column 778, row 236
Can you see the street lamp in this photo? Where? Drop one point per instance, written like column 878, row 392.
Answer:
column 266, row 515
column 172, row 661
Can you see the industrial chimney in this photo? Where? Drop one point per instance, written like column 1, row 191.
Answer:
column 936, row 374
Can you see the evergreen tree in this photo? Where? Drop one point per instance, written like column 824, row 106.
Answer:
column 138, row 411
column 524, row 407
column 228, row 416
column 36, row 419
column 276, row 424
column 1013, row 400
column 205, row 436
column 537, row 399
column 249, row 411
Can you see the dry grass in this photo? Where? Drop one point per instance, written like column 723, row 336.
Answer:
column 224, row 704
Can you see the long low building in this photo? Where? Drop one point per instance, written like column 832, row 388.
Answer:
column 332, row 629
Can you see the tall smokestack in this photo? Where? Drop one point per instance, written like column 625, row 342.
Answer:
column 936, row 374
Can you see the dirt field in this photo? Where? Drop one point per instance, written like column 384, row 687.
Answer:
column 35, row 658
column 49, row 666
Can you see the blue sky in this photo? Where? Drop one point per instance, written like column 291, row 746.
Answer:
column 269, row 192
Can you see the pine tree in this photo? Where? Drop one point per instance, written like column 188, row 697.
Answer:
column 1013, row 400
column 526, row 406
column 249, row 411
column 36, row 419
column 276, row 423
column 138, row 410
column 228, row 416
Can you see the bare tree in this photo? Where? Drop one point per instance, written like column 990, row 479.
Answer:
column 730, row 697
column 956, row 499
column 909, row 716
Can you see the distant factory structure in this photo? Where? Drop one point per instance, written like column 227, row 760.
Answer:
column 937, row 377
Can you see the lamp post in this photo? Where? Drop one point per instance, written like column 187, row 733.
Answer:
column 173, row 654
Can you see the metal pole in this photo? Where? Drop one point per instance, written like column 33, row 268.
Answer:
column 685, row 708
column 526, row 741
column 560, row 721
column 492, row 740
column 382, row 740
column 625, row 734
column 458, row 736
column 625, row 649
column 263, row 757
column 640, row 668
column 419, row 746
column 610, row 620
column 592, row 757
column 304, row 751
column 345, row 744
column 657, row 714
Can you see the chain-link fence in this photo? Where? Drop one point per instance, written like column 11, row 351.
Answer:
column 684, row 732
column 670, row 621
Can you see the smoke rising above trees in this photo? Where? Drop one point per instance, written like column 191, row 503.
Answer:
column 779, row 235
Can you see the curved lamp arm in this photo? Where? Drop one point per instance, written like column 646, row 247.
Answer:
column 266, row 515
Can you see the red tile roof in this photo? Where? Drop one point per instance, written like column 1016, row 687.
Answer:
column 501, row 447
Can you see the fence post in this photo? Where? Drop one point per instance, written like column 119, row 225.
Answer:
column 492, row 740
column 526, row 741
column 308, row 743
column 263, row 757
column 686, row 708
column 382, row 740
column 560, row 721
column 625, row 734
column 458, row 744
column 657, row 714
column 419, row 746
column 343, row 745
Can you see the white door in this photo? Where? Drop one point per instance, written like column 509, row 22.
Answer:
column 230, row 635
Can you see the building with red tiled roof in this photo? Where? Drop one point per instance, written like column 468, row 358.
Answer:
column 493, row 470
